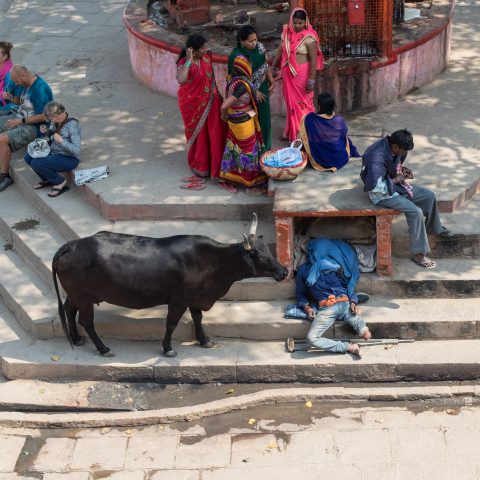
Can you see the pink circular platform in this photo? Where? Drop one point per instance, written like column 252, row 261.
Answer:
column 356, row 84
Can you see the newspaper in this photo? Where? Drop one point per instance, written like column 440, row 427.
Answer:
column 91, row 175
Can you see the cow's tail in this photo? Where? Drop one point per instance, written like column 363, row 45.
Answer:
column 61, row 308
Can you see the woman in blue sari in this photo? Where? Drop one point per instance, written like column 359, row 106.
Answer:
column 324, row 135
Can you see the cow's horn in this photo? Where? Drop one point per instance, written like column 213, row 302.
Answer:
column 253, row 228
column 246, row 243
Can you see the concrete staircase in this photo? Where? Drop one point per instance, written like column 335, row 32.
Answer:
column 440, row 308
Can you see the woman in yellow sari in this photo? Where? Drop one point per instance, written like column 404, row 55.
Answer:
column 240, row 163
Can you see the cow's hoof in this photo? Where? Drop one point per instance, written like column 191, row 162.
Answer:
column 170, row 353
column 108, row 354
column 208, row 344
column 81, row 341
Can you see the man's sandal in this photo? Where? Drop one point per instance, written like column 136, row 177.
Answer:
column 425, row 262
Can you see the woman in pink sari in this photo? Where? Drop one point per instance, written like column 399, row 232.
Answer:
column 5, row 67
column 301, row 58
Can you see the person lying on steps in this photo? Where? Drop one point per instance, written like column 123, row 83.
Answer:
column 328, row 279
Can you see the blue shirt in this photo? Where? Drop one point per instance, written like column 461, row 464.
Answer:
column 34, row 99
column 328, row 283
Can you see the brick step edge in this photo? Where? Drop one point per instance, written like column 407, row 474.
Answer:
column 282, row 395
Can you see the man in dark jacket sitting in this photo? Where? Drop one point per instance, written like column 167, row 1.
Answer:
column 385, row 179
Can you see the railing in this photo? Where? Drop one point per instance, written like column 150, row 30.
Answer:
column 352, row 28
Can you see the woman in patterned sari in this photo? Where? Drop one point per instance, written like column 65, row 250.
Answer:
column 199, row 102
column 244, row 145
column 262, row 79
column 300, row 58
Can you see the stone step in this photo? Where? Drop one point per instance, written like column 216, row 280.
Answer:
column 35, row 237
column 244, row 361
column 465, row 243
column 261, row 320
column 26, row 295
column 452, row 278
column 166, row 203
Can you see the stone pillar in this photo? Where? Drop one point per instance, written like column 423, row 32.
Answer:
column 284, row 232
column 193, row 12
column 384, row 245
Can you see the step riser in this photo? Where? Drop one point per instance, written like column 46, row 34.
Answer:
column 175, row 212
column 331, row 373
column 23, row 250
column 464, row 246
column 109, row 327
column 39, row 329
column 421, row 288
column 44, row 208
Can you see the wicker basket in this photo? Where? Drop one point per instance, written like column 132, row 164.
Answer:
column 282, row 173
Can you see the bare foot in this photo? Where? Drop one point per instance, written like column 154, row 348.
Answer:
column 367, row 334
column 354, row 349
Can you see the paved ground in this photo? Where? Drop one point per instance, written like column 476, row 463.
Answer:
column 80, row 47
column 310, row 440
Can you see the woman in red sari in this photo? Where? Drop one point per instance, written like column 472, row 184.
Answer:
column 199, row 102
column 301, row 58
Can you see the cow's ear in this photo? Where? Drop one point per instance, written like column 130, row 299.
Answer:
column 246, row 243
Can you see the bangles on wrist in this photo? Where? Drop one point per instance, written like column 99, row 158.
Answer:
column 311, row 82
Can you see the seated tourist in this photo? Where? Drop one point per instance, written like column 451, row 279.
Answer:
column 328, row 280
column 324, row 136
column 20, row 126
column 9, row 92
column 64, row 150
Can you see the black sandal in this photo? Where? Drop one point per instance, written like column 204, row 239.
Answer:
column 56, row 192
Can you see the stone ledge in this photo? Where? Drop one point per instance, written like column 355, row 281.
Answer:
column 290, row 395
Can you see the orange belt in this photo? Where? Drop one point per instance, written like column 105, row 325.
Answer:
column 332, row 300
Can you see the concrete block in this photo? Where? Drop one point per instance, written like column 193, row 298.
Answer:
column 198, row 452
column 55, row 455
column 363, row 446
column 462, row 444
column 418, row 445
column 175, row 475
column 11, row 448
column 154, row 452
column 99, row 453
column 66, row 476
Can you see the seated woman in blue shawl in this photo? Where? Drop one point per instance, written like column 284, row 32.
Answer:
column 324, row 135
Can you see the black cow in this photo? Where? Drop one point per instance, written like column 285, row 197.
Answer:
column 184, row 271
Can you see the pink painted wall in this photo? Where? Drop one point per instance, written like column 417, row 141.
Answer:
column 363, row 84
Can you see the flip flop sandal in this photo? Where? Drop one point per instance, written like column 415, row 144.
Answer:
column 193, row 186
column 57, row 191
column 228, row 187
column 42, row 184
column 425, row 262
column 193, row 179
